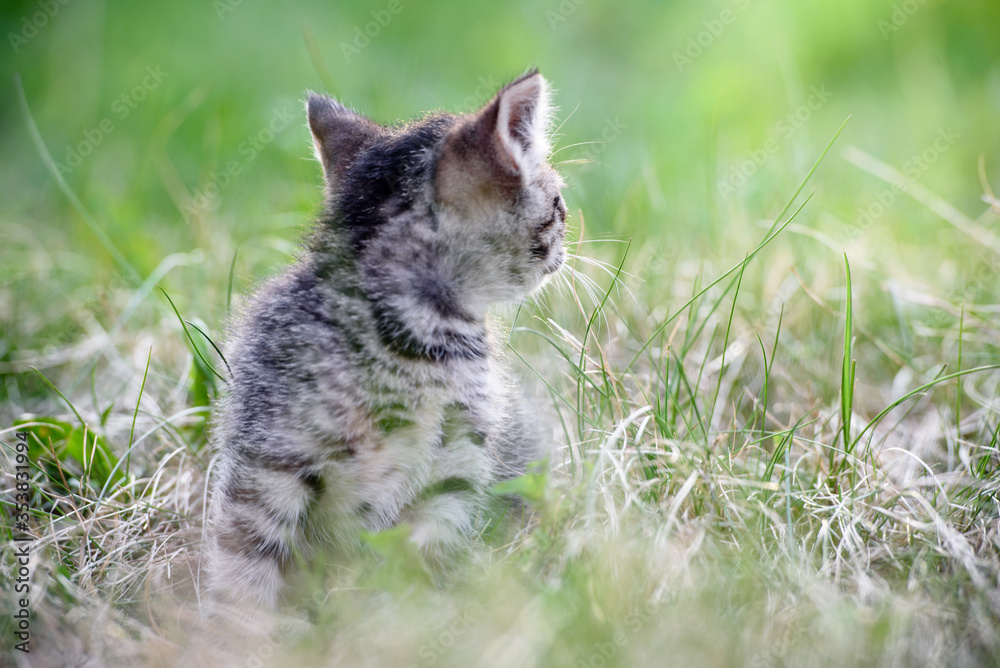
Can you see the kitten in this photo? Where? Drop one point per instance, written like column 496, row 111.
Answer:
column 366, row 388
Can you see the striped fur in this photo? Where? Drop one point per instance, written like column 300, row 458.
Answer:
column 367, row 388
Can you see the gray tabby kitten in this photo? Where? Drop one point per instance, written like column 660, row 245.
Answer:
column 366, row 387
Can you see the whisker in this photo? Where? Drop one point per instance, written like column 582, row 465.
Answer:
column 569, row 116
column 607, row 267
column 582, row 143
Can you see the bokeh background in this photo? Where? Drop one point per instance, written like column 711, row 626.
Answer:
column 677, row 95
column 165, row 144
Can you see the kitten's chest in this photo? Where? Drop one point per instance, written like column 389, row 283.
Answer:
column 437, row 406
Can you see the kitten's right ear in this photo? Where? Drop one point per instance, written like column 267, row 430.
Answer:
column 496, row 151
column 339, row 134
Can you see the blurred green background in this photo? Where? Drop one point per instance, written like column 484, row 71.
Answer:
column 661, row 105
column 685, row 127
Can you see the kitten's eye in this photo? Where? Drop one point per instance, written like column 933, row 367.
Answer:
column 560, row 207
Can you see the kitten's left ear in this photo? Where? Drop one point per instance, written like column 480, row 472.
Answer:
column 339, row 135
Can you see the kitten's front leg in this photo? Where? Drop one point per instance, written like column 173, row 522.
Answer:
column 444, row 515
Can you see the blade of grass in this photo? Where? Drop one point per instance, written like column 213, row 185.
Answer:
column 61, row 395
column 135, row 415
column 724, row 276
column 316, row 57
column 581, row 367
column 767, row 370
column 188, row 335
column 917, row 390
column 229, row 287
column 808, row 176
column 212, row 343
column 725, row 345
column 50, row 164
column 958, row 383
column 772, row 232
column 847, row 367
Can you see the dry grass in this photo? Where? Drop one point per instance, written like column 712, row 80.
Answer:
column 703, row 506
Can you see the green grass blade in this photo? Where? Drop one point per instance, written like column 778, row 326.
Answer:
column 194, row 346
column 61, row 395
column 808, row 176
column 958, row 382
column 212, row 343
column 135, row 415
column 316, row 57
column 725, row 345
column 917, row 390
column 737, row 267
column 772, row 232
column 847, row 367
column 50, row 164
column 229, row 286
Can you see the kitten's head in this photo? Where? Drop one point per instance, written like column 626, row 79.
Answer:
column 465, row 201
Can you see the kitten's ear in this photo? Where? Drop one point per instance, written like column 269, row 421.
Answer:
column 500, row 148
column 339, row 134
column 523, row 114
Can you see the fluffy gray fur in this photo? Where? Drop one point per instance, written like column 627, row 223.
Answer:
column 366, row 388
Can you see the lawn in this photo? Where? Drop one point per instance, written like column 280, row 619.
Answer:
column 771, row 369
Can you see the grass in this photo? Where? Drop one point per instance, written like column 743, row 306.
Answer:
column 774, row 409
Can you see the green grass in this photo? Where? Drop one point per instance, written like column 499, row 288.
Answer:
column 773, row 396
